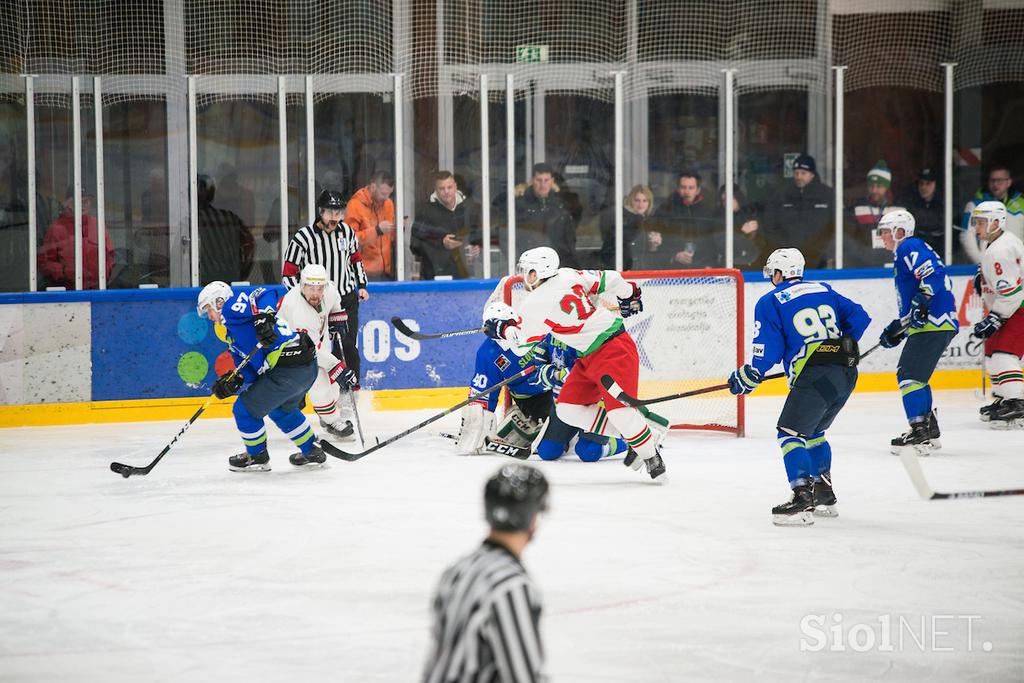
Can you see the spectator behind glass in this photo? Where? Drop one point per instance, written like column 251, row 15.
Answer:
column 56, row 257
column 225, row 244
column 542, row 219
column 860, row 249
column 999, row 189
column 924, row 202
column 686, row 229
column 750, row 248
column 636, row 209
column 371, row 214
column 446, row 234
column 802, row 218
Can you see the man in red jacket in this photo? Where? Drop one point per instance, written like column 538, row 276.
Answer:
column 57, row 256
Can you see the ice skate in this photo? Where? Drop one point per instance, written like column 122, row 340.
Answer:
column 985, row 412
column 798, row 511
column 1009, row 415
column 916, row 439
column 655, row 464
column 933, row 430
column 243, row 462
column 824, row 497
column 339, row 428
column 315, row 459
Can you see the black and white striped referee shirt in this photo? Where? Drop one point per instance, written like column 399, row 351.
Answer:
column 337, row 251
column 486, row 621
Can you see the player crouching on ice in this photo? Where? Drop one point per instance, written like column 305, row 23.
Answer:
column 275, row 381
column 813, row 330
column 314, row 307
column 924, row 294
column 1000, row 280
column 560, row 302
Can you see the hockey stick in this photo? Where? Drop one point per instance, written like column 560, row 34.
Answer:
column 913, row 467
column 351, row 395
column 336, row 452
column 404, row 329
column 504, row 448
column 619, row 393
column 128, row 470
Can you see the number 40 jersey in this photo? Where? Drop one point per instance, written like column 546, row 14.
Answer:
column 794, row 318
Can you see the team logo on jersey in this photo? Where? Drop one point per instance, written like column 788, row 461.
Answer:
column 502, row 362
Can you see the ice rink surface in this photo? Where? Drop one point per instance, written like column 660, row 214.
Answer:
column 195, row 573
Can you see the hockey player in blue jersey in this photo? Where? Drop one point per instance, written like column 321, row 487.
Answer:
column 275, row 381
column 924, row 295
column 813, row 330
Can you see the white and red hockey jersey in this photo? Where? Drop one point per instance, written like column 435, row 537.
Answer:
column 304, row 318
column 1002, row 266
column 566, row 305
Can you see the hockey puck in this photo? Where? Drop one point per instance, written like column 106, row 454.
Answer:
column 126, row 473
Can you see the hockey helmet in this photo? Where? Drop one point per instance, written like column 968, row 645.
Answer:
column 990, row 215
column 329, row 199
column 498, row 310
column 514, row 496
column 901, row 219
column 789, row 261
column 313, row 274
column 213, row 294
column 541, row 260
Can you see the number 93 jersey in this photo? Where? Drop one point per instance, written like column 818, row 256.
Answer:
column 794, row 318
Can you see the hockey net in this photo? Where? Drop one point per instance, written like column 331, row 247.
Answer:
column 689, row 336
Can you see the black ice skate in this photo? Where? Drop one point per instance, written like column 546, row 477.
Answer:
column 315, row 459
column 799, row 511
column 916, row 440
column 243, row 462
column 655, row 464
column 1009, row 414
column 824, row 497
column 985, row 412
column 933, row 430
column 339, row 428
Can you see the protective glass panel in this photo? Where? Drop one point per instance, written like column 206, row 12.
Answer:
column 14, row 199
column 54, row 192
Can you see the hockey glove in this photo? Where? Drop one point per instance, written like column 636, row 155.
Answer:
column 343, row 376
column 264, row 323
column 496, row 329
column 227, row 384
column 988, row 326
column 892, row 335
column 337, row 323
column 632, row 304
column 979, row 280
column 552, row 377
column 919, row 310
column 744, row 380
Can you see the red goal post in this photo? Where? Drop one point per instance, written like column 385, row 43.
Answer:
column 689, row 336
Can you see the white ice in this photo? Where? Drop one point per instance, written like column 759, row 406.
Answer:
column 197, row 573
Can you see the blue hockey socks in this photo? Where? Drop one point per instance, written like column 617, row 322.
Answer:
column 820, row 453
column 295, row 427
column 917, row 399
column 796, row 457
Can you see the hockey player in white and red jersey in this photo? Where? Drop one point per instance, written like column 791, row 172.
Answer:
column 314, row 307
column 1000, row 280
column 562, row 302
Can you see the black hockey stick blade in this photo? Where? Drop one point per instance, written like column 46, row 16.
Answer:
column 408, row 332
column 503, row 448
column 334, row 451
column 913, row 467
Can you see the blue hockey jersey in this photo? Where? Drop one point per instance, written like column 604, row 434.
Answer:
column 494, row 364
column 793, row 319
column 918, row 268
column 238, row 314
column 555, row 354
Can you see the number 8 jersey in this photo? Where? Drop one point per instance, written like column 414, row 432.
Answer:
column 794, row 318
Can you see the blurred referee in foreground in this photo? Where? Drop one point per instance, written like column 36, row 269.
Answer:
column 486, row 609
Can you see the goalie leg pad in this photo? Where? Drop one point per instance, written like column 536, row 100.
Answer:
column 477, row 423
column 518, row 429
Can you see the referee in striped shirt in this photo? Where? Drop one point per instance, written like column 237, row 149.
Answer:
column 332, row 244
column 486, row 608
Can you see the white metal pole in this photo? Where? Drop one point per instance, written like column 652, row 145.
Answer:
column 730, row 171
column 947, row 169
column 399, row 180
column 310, row 160
column 76, row 145
column 282, row 168
column 101, row 216
column 30, row 129
column 193, row 184
column 510, row 170
column 485, row 174
column 619, row 141
column 837, row 214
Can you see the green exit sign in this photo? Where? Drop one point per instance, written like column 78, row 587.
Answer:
column 531, row 53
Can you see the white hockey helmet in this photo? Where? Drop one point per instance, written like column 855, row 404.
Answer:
column 498, row 310
column 313, row 274
column 789, row 261
column 993, row 213
column 900, row 219
column 215, row 293
column 541, row 260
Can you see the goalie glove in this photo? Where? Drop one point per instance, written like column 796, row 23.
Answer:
column 632, row 304
column 337, row 323
column 342, row 376
column 987, row 326
column 552, row 376
column 497, row 329
column 744, row 380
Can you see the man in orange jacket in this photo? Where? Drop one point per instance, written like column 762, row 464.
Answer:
column 371, row 214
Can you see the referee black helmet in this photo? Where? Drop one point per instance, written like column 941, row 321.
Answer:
column 513, row 496
column 329, row 199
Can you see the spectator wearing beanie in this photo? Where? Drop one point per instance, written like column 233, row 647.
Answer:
column 802, row 218
column 859, row 250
